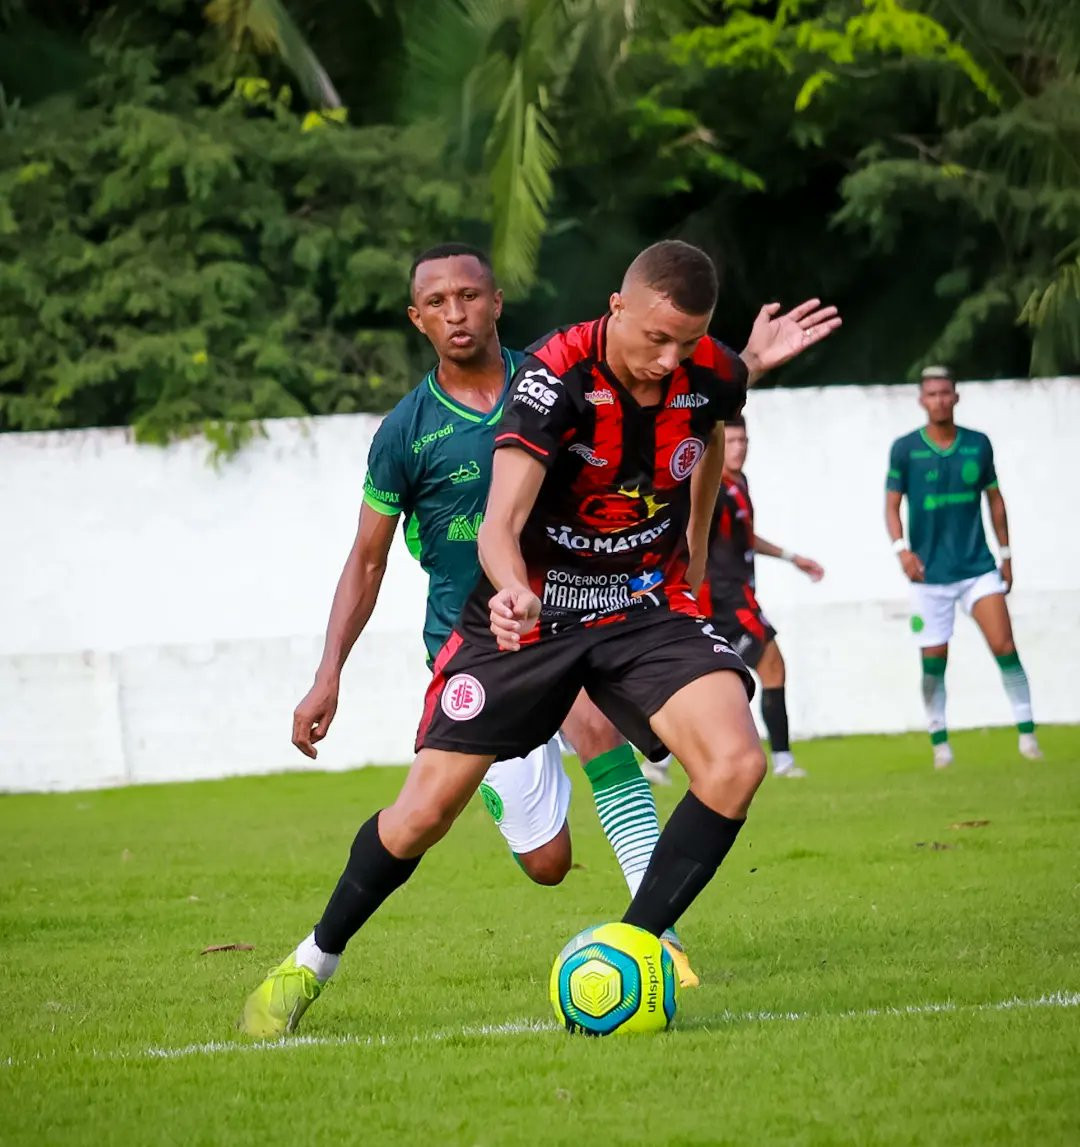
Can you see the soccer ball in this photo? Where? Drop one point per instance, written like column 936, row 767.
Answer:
column 614, row 978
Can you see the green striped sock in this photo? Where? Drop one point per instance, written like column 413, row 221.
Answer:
column 933, row 692
column 627, row 810
column 1017, row 690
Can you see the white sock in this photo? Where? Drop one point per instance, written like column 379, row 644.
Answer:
column 781, row 762
column 312, row 956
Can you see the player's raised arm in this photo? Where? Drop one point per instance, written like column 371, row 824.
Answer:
column 778, row 338
column 704, row 486
column 354, row 599
column 516, row 478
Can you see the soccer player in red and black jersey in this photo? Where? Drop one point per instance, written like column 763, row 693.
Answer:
column 607, row 463
column 728, row 595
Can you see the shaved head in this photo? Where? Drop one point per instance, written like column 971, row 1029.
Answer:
column 683, row 274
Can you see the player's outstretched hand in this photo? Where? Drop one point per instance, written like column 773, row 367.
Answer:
column 514, row 612
column 313, row 715
column 912, row 566
column 776, row 339
column 809, row 567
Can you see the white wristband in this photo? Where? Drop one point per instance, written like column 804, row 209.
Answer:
column 899, row 546
column 788, row 555
column 1005, row 553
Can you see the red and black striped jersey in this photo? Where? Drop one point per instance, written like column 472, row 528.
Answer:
column 731, row 542
column 607, row 532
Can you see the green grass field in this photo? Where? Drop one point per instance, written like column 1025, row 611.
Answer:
column 873, row 973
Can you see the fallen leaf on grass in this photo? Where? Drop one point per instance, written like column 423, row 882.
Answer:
column 563, row 1094
column 970, row 824
column 228, row 948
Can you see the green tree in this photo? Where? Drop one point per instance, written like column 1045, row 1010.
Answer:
column 509, row 79
column 177, row 253
column 1003, row 178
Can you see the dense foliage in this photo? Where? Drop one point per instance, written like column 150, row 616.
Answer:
column 207, row 210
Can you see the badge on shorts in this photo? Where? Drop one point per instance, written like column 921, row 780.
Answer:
column 685, row 457
column 463, row 697
column 492, row 802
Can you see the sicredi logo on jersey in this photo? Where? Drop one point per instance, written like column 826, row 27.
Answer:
column 536, row 390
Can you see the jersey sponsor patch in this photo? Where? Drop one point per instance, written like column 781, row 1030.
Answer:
column 585, row 452
column 600, row 397
column 599, row 593
column 607, row 544
column 463, row 697
column 536, row 389
column 687, row 402
column 427, row 439
column 685, row 457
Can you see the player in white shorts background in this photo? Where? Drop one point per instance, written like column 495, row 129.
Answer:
column 944, row 470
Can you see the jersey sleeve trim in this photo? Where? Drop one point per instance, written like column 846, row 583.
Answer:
column 991, row 485
column 509, row 439
column 381, row 507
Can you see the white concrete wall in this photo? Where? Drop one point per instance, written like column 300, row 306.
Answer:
column 160, row 617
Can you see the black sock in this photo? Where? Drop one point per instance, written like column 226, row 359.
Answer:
column 370, row 876
column 694, row 842
column 774, row 714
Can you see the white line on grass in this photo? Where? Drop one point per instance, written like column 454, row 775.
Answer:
column 531, row 1027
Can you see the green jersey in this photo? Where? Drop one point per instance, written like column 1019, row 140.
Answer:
column 944, row 493
column 430, row 461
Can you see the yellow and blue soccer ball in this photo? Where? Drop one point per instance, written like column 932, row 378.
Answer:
column 612, row 979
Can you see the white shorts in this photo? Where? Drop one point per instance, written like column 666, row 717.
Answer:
column 528, row 797
column 933, row 607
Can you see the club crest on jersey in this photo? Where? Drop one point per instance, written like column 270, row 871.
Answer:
column 600, row 397
column 687, row 402
column 583, row 451
column 536, row 389
column 462, row 697
column 685, row 457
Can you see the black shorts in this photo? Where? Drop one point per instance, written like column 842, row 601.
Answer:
column 738, row 617
column 483, row 700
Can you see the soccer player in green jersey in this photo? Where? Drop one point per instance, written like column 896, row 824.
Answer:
column 944, row 470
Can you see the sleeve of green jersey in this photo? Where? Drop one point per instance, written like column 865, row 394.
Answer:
column 388, row 485
column 897, row 477
column 989, row 474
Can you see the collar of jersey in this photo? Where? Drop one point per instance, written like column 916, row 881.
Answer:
column 937, row 449
column 492, row 415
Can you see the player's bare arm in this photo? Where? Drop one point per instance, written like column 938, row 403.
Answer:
column 704, row 487
column 808, row 566
column 999, row 519
column 909, row 561
column 778, row 338
column 354, row 599
column 516, row 478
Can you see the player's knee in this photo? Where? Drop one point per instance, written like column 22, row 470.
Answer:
column 590, row 733
column 1003, row 648
column 407, row 827
column 547, row 866
column 735, row 773
column 771, row 668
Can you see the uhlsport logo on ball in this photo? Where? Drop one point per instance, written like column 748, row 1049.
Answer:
column 614, row 979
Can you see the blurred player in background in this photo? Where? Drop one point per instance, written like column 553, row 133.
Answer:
column 727, row 596
column 944, row 470
column 650, row 379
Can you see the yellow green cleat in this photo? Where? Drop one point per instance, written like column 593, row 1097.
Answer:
column 688, row 978
column 275, row 1007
